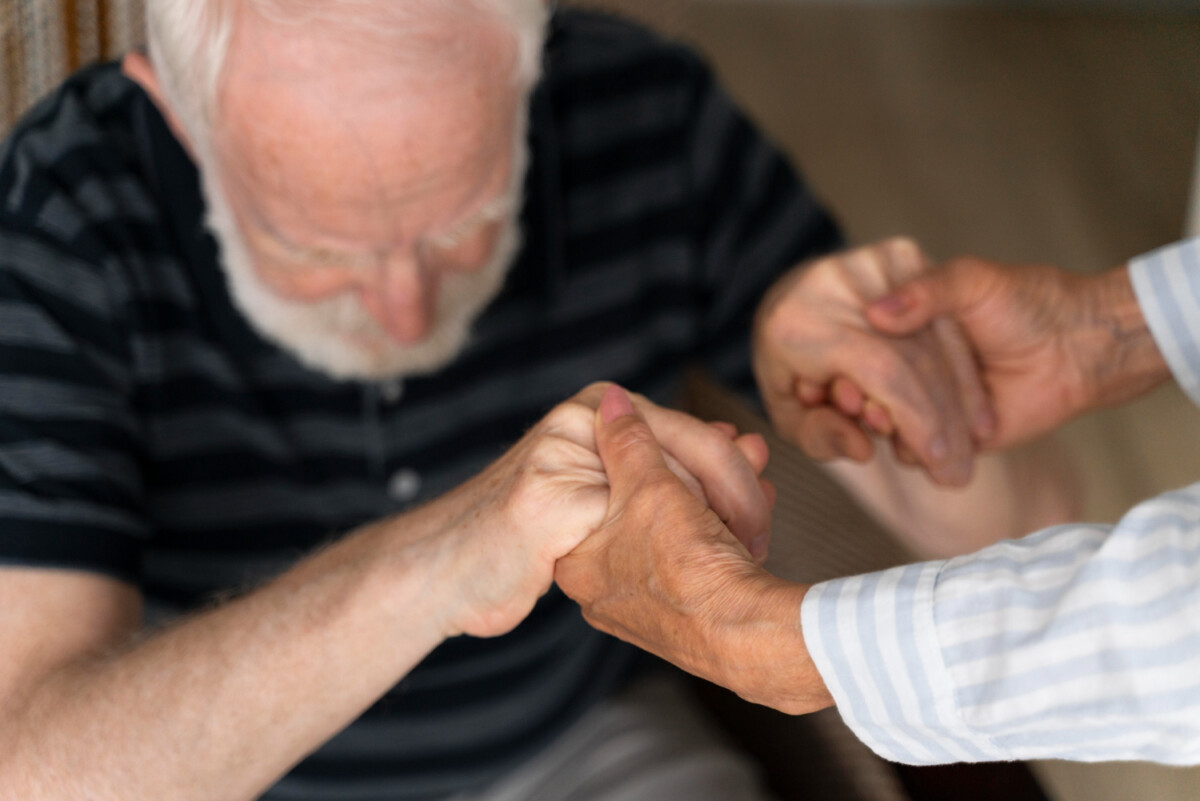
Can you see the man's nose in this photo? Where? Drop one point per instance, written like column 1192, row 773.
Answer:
column 402, row 297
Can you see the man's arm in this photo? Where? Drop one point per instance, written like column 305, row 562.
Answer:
column 221, row 704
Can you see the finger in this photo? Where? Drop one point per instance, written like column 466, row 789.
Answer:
column 906, row 259
column 755, row 449
column 728, row 429
column 691, row 482
column 953, row 423
column 912, row 379
column 628, row 450
column 826, row 434
column 810, row 393
column 768, row 488
column 847, row 396
column 729, row 477
column 905, row 454
column 760, row 545
column 948, row 290
column 976, row 402
column 876, row 417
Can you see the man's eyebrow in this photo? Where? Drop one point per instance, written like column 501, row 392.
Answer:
column 311, row 252
column 471, row 221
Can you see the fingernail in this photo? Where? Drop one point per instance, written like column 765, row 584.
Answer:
column 893, row 304
column 953, row 475
column 759, row 546
column 614, row 404
column 939, row 448
column 985, row 426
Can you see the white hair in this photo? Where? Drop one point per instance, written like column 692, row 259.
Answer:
column 189, row 39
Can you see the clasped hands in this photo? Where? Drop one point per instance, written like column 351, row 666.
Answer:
column 657, row 524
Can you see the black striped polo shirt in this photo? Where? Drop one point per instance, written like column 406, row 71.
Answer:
column 147, row 433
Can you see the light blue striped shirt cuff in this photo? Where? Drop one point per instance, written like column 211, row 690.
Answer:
column 1167, row 284
column 874, row 640
column 1078, row 642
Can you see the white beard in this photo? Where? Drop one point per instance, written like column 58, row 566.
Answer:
column 338, row 336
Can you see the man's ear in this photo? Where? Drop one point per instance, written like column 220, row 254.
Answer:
column 138, row 68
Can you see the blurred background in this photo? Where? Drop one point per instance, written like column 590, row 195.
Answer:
column 1061, row 132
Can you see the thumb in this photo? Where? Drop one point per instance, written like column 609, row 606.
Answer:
column 626, row 445
column 913, row 306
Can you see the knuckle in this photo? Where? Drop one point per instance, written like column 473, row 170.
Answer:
column 592, row 393
column 567, row 416
column 906, row 258
column 903, row 246
column 879, row 368
column 658, row 493
column 634, row 435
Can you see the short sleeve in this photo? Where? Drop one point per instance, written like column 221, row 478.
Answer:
column 756, row 219
column 71, row 486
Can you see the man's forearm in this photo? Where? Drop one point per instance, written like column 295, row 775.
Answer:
column 220, row 705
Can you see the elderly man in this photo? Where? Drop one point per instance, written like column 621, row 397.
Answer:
column 291, row 424
column 1078, row 642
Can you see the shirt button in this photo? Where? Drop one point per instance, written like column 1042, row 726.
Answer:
column 391, row 391
column 404, row 485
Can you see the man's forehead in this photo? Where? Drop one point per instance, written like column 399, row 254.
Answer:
column 311, row 114
column 290, row 41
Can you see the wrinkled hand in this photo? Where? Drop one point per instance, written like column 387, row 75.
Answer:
column 1050, row 344
column 506, row 527
column 664, row 573
column 829, row 380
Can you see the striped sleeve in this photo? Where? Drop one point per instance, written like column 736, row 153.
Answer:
column 1079, row 642
column 71, row 481
column 1167, row 283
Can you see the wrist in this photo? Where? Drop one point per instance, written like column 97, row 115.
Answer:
column 769, row 661
column 416, row 571
column 1119, row 354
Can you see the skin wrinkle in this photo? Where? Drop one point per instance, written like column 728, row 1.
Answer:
column 422, row 40
column 355, row 222
column 384, row 196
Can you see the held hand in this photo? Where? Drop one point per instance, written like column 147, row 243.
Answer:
column 829, row 380
column 720, row 466
column 506, row 527
column 1050, row 344
column 664, row 573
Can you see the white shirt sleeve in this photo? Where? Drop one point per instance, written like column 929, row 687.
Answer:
column 1078, row 642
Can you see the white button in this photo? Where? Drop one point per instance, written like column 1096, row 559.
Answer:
column 404, row 485
column 391, row 391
